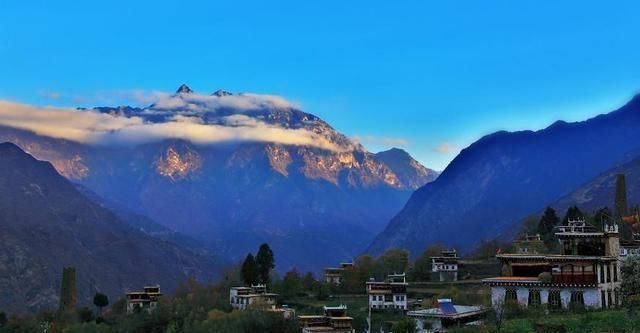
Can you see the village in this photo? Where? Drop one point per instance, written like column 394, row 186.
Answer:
column 575, row 267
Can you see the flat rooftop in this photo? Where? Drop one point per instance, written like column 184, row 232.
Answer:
column 461, row 312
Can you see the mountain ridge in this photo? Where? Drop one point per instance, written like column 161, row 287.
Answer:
column 234, row 194
column 499, row 179
column 47, row 225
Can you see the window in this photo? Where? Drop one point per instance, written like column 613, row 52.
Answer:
column 615, row 273
column 608, row 273
column 577, row 298
column 609, row 300
column 510, row 295
column 554, row 299
column 601, row 274
column 534, row 297
column 603, row 299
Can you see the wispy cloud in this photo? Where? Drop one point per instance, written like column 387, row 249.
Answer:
column 380, row 140
column 92, row 127
column 54, row 95
column 197, row 102
column 445, row 148
column 193, row 101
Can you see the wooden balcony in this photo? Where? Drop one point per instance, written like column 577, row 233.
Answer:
column 574, row 278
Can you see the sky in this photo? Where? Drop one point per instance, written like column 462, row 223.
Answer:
column 430, row 77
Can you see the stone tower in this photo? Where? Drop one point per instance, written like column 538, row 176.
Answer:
column 68, row 292
column 621, row 207
column 621, row 197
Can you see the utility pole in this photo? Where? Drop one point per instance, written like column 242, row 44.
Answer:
column 369, row 316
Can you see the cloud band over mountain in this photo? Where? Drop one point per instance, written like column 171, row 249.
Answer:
column 93, row 127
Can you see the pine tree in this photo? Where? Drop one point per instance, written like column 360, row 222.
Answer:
column 548, row 221
column 265, row 263
column 573, row 213
column 249, row 270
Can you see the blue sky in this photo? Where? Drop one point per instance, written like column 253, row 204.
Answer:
column 433, row 76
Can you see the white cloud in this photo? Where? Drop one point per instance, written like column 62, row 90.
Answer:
column 201, row 103
column 381, row 140
column 445, row 148
column 51, row 95
column 92, row 127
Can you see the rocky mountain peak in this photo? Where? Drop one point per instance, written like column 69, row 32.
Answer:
column 221, row 93
column 184, row 89
column 10, row 149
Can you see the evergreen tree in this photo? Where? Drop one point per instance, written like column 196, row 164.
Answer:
column 265, row 263
column 308, row 281
column 573, row 213
column 249, row 270
column 548, row 221
column 100, row 300
column 291, row 284
column 3, row 319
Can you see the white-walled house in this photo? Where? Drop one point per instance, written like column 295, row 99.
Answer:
column 587, row 273
column 241, row 298
column 390, row 294
column 445, row 266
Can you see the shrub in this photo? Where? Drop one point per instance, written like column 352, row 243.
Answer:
column 406, row 325
column 542, row 327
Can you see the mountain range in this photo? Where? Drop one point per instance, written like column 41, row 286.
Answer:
column 493, row 184
column 599, row 191
column 48, row 224
column 232, row 171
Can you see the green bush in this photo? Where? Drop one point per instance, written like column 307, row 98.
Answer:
column 545, row 327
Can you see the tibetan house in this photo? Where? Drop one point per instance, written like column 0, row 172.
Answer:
column 143, row 300
column 241, row 298
column 586, row 273
column 335, row 275
column 388, row 295
column 445, row 267
column 334, row 320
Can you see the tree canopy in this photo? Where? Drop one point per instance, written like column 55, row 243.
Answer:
column 249, row 270
column 265, row 262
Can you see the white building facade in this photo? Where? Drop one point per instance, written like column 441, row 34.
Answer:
column 242, row 298
column 586, row 274
column 388, row 295
column 445, row 267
